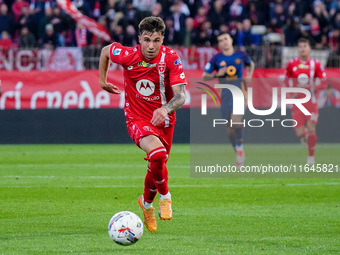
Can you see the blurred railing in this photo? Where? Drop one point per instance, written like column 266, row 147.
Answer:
column 73, row 58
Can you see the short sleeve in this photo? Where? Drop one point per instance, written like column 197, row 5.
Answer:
column 176, row 72
column 288, row 70
column 246, row 59
column 116, row 53
column 210, row 66
column 320, row 71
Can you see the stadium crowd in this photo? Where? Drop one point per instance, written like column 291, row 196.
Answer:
column 42, row 23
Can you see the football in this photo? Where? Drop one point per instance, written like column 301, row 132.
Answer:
column 125, row 228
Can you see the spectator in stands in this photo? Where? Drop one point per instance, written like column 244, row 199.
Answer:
column 246, row 38
column 25, row 19
column 44, row 21
column 60, row 24
column 279, row 16
column 50, row 38
column 329, row 97
column 305, row 24
column 6, row 20
column 334, row 40
column 131, row 37
column 302, row 7
column 118, row 35
column 291, row 33
column 191, row 33
column 26, row 39
column 318, row 39
column 16, row 8
column 144, row 7
column 169, row 35
column 206, row 36
column 5, row 41
column 217, row 14
column 158, row 11
column 179, row 22
column 236, row 10
column 200, row 17
column 321, row 14
column 336, row 22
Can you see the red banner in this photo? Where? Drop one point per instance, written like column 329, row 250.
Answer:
column 69, row 89
column 90, row 24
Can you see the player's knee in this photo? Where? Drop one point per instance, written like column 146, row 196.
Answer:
column 157, row 157
column 311, row 129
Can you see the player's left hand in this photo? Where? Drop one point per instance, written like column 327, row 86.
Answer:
column 247, row 80
column 159, row 116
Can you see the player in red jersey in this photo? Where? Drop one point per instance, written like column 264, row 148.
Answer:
column 306, row 73
column 154, row 88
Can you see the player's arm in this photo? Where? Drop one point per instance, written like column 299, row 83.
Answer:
column 220, row 74
column 176, row 102
column 250, row 71
column 104, row 63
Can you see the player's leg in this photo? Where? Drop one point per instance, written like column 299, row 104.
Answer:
column 237, row 126
column 311, row 141
column 300, row 128
column 157, row 156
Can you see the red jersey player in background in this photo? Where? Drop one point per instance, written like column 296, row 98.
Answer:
column 154, row 88
column 306, row 73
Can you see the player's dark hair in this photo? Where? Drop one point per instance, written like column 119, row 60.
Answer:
column 223, row 33
column 304, row 40
column 151, row 25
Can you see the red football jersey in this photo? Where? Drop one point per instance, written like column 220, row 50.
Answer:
column 305, row 74
column 148, row 83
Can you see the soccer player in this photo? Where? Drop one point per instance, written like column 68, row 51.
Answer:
column 301, row 72
column 154, row 88
column 228, row 66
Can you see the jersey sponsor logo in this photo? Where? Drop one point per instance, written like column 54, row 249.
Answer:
column 145, row 64
column 180, row 68
column 126, row 52
column 129, row 67
column 302, row 66
column 117, row 51
column 303, row 79
column 161, row 67
column 182, row 75
column 223, row 63
column 145, row 87
column 178, row 61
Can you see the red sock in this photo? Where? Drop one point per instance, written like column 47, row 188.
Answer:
column 150, row 189
column 311, row 141
column 157, row 159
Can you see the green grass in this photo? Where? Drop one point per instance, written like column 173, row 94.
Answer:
column 58, row 199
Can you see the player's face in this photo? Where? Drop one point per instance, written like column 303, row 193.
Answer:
column 150, row 44
column 225, row 42
column 304, row 49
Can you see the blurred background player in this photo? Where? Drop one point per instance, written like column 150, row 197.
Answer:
column 228, row 66
column 154, row 89
column 306, row 72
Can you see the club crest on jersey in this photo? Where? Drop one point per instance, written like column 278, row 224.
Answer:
column 161, row 67
column 145, row 87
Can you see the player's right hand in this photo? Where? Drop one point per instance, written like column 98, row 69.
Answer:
column 221, row 72
column 110, row 88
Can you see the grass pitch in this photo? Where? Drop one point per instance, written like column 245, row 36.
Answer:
column 58, row 199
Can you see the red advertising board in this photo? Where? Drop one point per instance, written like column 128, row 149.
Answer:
column 70, row 89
